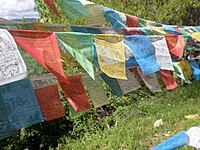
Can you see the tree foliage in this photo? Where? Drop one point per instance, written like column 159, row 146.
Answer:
column 176, row 12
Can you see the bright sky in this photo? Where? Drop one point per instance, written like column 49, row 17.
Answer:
column 17, row 9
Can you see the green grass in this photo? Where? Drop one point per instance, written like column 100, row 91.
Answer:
column 132, row 126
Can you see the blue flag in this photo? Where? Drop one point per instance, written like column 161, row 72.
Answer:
column 19, row 107
column 195, row 69
column 112, row 83
column 143, row 52
column 177, row 141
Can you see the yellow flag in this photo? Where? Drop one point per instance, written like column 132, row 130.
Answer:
column 159, row 31
column 111, row 57
column 185, row 66
column 196, row 35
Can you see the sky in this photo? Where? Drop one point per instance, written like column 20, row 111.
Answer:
column 17, row 9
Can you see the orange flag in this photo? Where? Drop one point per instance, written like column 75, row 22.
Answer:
column 132, row 21
column 175, row 44
column 52, row 6
column 168, row 79
column 43, row 47
column 49, row 101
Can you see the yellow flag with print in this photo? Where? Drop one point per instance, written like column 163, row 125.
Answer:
column 196, row 35
column 185, row 66
column 159, row 31
column 111, row 57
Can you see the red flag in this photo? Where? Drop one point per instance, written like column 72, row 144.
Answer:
column 132, row 31
column 168, row 79
column 175, row 44
column 43, row 47
column 135, row 71
column 132, row 21
column 75, row 92
column 52, row 6
column 49, row 101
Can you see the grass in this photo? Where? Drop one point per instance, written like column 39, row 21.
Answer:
column 133, row 125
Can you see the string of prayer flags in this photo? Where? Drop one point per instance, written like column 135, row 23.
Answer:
column 147, row 31
column 75, row 93
column 19, row 107
column 17, row 26
column 92, row 30
column 52, row 6
column 179, row 72
column 115, row 18
column 43, row 47
column 185, row 66
column 42, row 80
column 113, row 84
column 72, row 9
column 168, row 79
column 12, row 66
column 195, row 69
column 132, row 31
column 50, row 27
column 148, row 23
column 175, row 44
column 80, row 46
column 161, row 52
column 129, row 85
column 143, row 53
column 96, row 90
column 49, row 101
column 151, row 81
column 111, row 55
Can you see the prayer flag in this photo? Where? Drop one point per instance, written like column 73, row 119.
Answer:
column 178, row 70
column 19, row 107
column 80, row 46
column 168, row 79
column 132, row 21
column 151, row 81
column 12, row 66
column 129, row 85
column 113, row 84
column 195, row 69
column 111, row 55
column 96, row 90
column 196, row 35
column 185, row 66
column 75, row 93
column 161, row 52
column 49, row 101
column 72, row 8
column 143, row 53
column 51, row 4
column 175, row 44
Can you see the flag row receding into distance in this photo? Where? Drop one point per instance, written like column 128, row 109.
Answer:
column 19, row 107
column 43, row 47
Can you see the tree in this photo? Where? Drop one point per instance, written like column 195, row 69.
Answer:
column 176, row 12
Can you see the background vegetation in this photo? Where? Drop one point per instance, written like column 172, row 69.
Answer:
column 127, row 122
